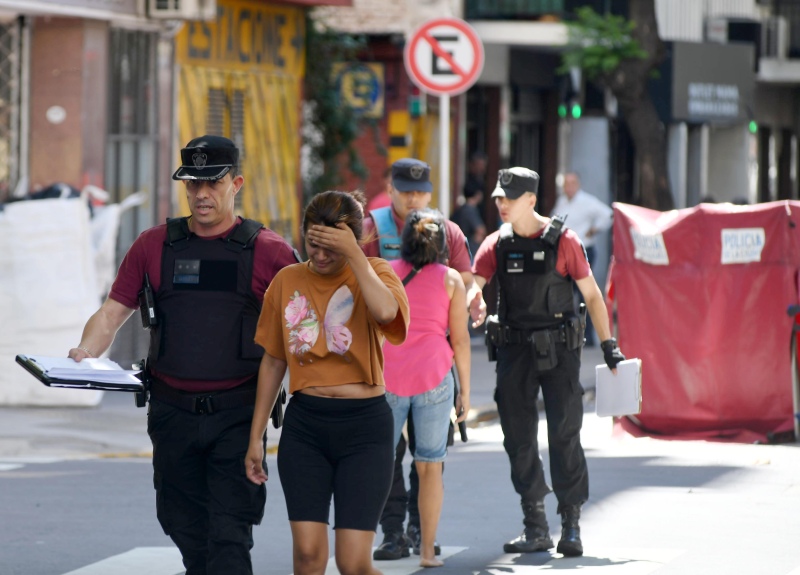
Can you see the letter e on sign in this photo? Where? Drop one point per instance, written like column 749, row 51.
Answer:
column 444, row 56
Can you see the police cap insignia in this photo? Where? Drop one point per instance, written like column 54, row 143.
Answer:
column 199, row 160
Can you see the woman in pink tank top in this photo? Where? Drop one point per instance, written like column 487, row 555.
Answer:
column 418, row 373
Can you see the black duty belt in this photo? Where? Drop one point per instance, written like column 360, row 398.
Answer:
column 205, row 403
column 512, row 336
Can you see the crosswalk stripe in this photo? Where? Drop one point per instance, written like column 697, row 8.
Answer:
column 150, row 560
column 635, row 561
column 405, row 566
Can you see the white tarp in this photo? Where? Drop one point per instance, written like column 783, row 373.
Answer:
column 48, row 289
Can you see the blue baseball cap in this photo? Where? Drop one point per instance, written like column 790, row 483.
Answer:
column 410, row 175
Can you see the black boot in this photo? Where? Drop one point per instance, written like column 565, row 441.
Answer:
column 536, row 536
column 395, row 545
column 570, row 544
column 414, row 534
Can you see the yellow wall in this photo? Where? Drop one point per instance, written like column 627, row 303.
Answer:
column 240, row 76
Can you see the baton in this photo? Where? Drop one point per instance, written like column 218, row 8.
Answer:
column 462, row 425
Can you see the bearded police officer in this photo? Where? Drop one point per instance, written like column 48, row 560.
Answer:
column 203, row 279
column 536, row 338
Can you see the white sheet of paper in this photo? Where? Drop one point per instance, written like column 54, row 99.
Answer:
column 619, row 394
column 90, row 369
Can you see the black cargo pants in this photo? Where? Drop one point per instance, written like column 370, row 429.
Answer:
column 518, row 384
column 204, row 500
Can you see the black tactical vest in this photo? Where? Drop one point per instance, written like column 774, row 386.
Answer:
column 531, row 294
column 207, row 313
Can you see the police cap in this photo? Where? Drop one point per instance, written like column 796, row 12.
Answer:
column 207, row 158
column 410, row 175
column 514, row 182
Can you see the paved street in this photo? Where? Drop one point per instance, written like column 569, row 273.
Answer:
column 77, row 498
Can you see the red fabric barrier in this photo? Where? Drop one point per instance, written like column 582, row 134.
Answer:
column 701, row 297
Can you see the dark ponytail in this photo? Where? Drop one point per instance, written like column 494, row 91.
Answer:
column 424, row 238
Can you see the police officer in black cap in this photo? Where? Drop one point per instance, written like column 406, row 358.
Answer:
column 200, row 281
column 536, row 338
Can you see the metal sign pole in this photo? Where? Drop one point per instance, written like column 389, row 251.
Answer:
column 444, row 155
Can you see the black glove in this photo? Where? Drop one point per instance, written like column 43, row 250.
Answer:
column 611, row 353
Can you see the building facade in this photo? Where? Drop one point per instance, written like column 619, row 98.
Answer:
column 397, row 119
column 106, row 92
column 83, row 94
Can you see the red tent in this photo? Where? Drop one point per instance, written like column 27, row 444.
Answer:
column 701, row 296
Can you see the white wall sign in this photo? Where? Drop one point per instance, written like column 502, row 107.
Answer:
column 55, row 114
column 742, row 245
column 650, row 248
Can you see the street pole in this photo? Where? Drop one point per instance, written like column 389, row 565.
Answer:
column 444, row 155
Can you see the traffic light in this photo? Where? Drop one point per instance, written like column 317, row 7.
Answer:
column 572, row 108
column 416, row 102
column 570, row 95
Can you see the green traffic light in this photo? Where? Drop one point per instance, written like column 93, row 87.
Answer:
column 576, row 111
column 752, row 126
column 562, row 111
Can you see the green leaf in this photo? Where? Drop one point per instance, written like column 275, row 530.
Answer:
column 597, row 44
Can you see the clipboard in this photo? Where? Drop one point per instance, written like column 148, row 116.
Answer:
column 621, row 394
column 89, row 378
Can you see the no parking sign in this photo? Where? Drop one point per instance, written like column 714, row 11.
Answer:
column 444, row 56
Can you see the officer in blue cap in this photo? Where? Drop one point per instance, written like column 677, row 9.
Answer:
column 411, row 190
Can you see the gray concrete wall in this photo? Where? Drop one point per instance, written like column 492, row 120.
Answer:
column 728, row 175
column 588, row 153
column 677, row 162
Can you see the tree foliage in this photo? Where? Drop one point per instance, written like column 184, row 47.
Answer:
column 332, row 125
column 599, row 43
column 621, row 55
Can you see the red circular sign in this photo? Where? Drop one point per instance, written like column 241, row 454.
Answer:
column 444, row 56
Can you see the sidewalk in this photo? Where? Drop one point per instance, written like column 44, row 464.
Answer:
column 116, row 428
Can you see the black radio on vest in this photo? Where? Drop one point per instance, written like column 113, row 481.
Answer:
column 147, row 304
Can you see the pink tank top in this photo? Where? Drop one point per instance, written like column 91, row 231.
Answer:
column 422, row 361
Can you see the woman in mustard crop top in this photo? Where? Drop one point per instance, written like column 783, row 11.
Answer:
column 326, row 321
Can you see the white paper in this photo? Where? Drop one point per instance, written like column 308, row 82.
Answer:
column 99, row 370
column 619, row 394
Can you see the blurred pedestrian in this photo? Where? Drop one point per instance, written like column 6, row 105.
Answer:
column 536, row 339
column 419, row 381
column 468, row 217
column 382, row 199
column 411, row 190
column 208, row 274
column 327, row 320
column 476, row 179
column 587, row 216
